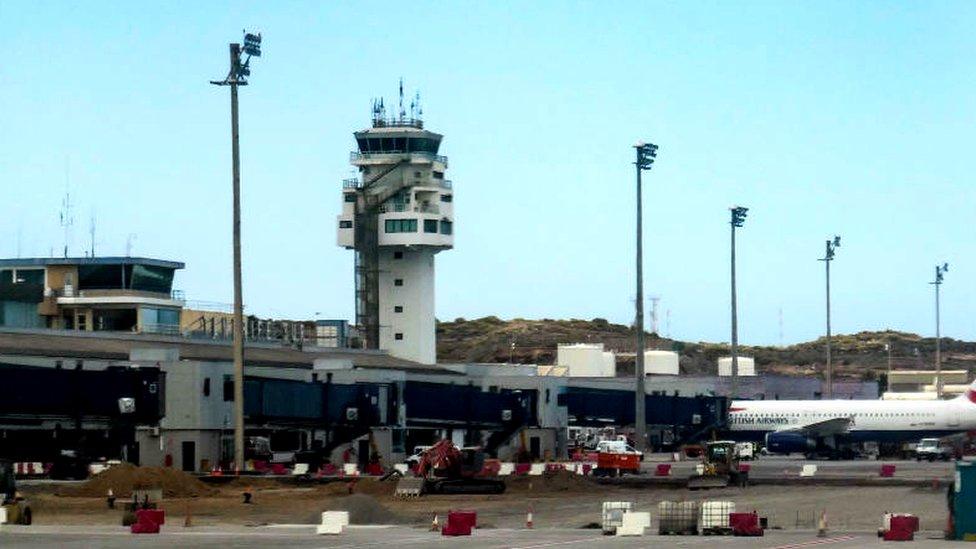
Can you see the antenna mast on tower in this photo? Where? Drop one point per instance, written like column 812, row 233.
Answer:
column 67, row 220
column 655, row 300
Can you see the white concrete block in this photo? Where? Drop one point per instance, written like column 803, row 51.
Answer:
column 350, row 469
column 333, row 522
column 506, row 469
column 3, row 515
column 402, row 468
column 700, row 469
column 300, row 469
column 537, row 469
column 808, row 470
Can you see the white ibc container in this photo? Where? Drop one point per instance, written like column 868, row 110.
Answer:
column 677, row 517
column 613, row 514
column 661, row 362
column 715, row 515
column 747, row 366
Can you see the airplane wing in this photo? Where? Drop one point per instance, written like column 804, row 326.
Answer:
column 832, row 426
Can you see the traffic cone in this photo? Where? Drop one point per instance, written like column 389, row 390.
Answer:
column 822, row 525
column 434, row 526
column 110, row 498
column 528, row 519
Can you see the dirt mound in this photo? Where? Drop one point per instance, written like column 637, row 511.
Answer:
column 367, row 486
column 559, row 481
column 125, row 478
column 363, row 509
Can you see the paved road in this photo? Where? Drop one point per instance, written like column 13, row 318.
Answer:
column 773, row 467
column 365, row 537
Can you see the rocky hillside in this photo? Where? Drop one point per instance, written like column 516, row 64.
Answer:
column 860, row 355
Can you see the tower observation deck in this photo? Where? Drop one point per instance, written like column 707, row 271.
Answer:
column 396, row 215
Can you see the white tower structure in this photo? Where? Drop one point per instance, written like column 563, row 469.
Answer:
column 397, row 215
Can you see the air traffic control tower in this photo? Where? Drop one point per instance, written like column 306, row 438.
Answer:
column 396, row 215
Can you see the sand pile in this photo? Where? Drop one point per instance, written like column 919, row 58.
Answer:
column 363, row 509
column 368, row 486
column 125, row 478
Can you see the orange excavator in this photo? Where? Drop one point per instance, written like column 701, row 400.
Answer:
column 446, row 469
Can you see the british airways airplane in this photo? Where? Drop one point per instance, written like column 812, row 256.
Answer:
column 810, row 426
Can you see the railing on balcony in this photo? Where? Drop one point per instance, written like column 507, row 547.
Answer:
column 356, row 155
column 353, row 183
column 161, row 329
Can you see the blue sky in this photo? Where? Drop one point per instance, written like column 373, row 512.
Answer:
column 823, row 118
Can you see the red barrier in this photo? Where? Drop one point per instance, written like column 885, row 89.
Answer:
column 745, row 467
column 374, row 469
column 902, row 528
column 460, row 523
column 887, row 470
column 663, row 470
column 522, row 468
column 745, row 524
column 329, row 470
column 146, row 521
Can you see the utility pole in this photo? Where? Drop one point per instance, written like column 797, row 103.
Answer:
column 646, row 153
column 888, row 349
column 237, row 76
column 738, row 219
column 832, row 245
column 940, row 271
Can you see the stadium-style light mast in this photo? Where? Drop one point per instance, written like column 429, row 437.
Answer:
column 940, row 271
column 646, row 153
column 237, row 76
column 832, row 245
column 738, row 219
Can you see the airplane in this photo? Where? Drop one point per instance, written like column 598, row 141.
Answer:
column 813, row 427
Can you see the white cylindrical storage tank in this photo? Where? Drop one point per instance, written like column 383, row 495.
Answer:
column 661, row 362
column 585, row 360
column 609, row 364
column 747, row 366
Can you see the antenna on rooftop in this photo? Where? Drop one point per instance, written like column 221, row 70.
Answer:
column 91, row 232
column 403, row 114
column 67, row 220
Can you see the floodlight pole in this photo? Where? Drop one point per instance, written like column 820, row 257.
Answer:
column 738, row 218
column 832, row 245
column 233, row 80
column 940, row 271
column 645, row 158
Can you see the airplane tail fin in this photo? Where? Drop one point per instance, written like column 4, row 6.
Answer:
column 970, row 393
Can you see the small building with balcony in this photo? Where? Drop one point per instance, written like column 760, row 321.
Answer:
column 116, row 294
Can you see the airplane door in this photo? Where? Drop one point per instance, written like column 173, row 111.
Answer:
column 953, row 418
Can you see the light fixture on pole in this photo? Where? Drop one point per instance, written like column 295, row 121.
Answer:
column 832, row 245
column 646, row 153
column 940, row 271
column 237, row 76
column 738, row 219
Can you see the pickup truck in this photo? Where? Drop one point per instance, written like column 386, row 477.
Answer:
column 932, row 449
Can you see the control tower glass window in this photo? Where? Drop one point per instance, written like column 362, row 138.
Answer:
column 401, row 225
column 382, row 145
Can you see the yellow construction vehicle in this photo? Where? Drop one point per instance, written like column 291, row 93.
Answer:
column 719, row 468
